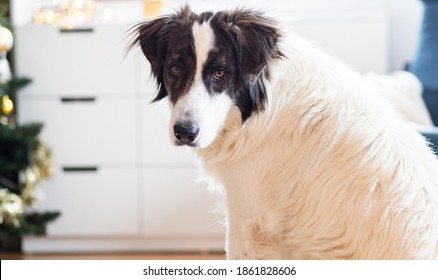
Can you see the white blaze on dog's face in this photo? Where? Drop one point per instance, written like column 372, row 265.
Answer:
column 198, row 115
column 206, row 64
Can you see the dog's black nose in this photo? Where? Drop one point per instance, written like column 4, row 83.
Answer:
column 186, row 132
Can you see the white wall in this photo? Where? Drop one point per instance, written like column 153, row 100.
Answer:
column 404, row 15
column 404, row 18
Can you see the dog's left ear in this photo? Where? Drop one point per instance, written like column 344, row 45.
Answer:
column 255, row 38
column 152, row 38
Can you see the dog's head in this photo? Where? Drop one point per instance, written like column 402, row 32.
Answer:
column 207, row 63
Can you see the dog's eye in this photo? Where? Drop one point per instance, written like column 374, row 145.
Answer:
column 175, row 70
column 219, row 74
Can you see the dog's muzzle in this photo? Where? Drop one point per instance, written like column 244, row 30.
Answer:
column 186, row 133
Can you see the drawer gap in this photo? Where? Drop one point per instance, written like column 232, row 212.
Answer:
column 80, row 169
column 78, row 99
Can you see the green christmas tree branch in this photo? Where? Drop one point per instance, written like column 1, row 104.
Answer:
column 16, row 144
column 32, row 223
column 10, row 87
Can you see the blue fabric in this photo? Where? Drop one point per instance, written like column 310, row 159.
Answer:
column 433, row 139
column 425, row 67
column 430, row 97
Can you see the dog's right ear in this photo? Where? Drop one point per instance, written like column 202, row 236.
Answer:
column 256, row 41
column 152, row 38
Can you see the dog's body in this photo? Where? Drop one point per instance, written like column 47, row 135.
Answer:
column 314, row 165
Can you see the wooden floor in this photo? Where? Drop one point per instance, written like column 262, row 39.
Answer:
column 116, row 256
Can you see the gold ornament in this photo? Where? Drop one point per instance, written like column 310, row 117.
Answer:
column 7, row 106
column 43, row 159
column 40, row 170
column 11, row 208
column 28, row 196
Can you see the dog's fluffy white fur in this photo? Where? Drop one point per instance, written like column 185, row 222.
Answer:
column 327, row 171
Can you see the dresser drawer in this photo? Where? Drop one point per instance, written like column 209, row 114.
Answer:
column 92, row 201
column 76, row 63
column 176, row 204
column 86, row 130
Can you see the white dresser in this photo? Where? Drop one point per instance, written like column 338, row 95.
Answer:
column 119, row 184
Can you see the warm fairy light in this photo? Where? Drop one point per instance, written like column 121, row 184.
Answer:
column 107, row 14
column 68, row 14
column 153, row 8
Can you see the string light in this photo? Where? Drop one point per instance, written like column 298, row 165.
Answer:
column 68, row 14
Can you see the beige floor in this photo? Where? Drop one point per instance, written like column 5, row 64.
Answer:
column 116, row 256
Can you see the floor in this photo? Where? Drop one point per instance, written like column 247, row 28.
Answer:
column 116, row 256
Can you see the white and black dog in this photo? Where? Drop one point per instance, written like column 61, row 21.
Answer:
column 313, row 163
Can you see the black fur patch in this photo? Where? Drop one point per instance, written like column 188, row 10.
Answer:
column 255, row 40
column 156, row 37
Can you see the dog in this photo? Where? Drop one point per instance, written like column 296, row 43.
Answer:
column 314, row 164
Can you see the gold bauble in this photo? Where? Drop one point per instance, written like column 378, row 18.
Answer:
column 7, row 106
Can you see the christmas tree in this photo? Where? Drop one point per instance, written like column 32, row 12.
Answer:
column 24, row 160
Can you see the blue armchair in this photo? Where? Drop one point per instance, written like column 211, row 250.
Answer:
column 432, row 136
column 425, row 66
